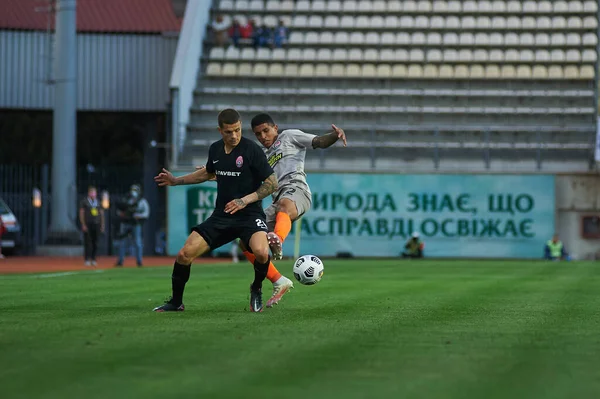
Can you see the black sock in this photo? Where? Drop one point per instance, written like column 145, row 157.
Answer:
column 260, row 273
column 180, row 276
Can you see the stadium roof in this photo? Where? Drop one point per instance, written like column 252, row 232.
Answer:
column 106, row 16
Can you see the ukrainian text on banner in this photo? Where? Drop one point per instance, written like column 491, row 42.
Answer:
column 455, row 215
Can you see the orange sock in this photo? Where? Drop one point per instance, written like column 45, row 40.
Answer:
column 272, row 273
column 283, row 225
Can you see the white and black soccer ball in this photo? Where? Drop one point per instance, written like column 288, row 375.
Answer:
column 308, row 269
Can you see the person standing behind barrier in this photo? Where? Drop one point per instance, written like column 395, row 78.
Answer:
column 91, row 217
column 132, row 213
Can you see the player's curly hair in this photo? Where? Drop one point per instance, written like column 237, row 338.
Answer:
column 228, row 116
column 260, row 119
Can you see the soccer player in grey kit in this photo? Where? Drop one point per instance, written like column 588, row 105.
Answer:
column 285, row 153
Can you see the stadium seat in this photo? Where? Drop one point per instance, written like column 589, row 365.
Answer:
column 461, row 71
column 476, row 72
column 388, row 39
column 454, row 6
column 587, row 72
column 434, row 55
column 294, row 54
column 337, row 70
column 362, row 22
column 498, row 7
column 573, row 55
column 480, row 55
column 306, row 71
column 560, row 7
column 508, row 71
column 311, row 38
column 291, row 70
column 232, row 53
column 452, row 23
column 276, row 70
column 213, row 69
column 499, row 23
column 524, row 72
column 590, row 6
column 278, row 54
column 430, row 71
column 372, row 38
column 481, row 39
column 527, row 39
column 315, row 21
column 539, row 72
column 589, row 56
column 403, row 38
column 369, row 71
column 418, row 38
column 296, row 37
column 513, row 7
column 357, row 38
column 384, row 71
column 303, row 5
column 434, row 39
column 377, row 22
column 244, row 69
column 401, row 55
column 557, row 55
column 573, row 39
column 558, row 39
column 496, row 56
column 326, row 38
column 574, row 23
column 590, row 23
column 355, row 54
column 416, row 55
column 571, row 72
column 256, row 5
column 409, row 6
column 349, row 6
column 331, row 22
column 484, row 23
column 590, row 39
column 371, row 55
column 340, row 54
column 353, row 71
column 415, row 71
column 309, row 54
column 394, row 6
column 226, row 5
column 492, row 72
column 559, row 23
column 334, row 6
column 391, row 22
column 465, row 55
column 542, row 40
column 496, row 39
column 450, row 55
column 528, row 23
column 468, row 23
column 406, row 22
column 511, row 39
column 322, row 70
column 511, row 56
column 543, row 23
column 542, row 56
column 513, row 23
column 387, row 55
column 324, row 54
column 399, row 71
column 318, row 6
column 529, row 6
column 241, row 5
column 260, row 70
column 466, row 39
column 347, row 22
column 217, row 53
column 421, row 22
column 287, row 5
column 575, row 7
column 446, row 72
column 263, row 54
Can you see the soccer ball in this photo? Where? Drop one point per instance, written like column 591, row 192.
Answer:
column 308, row 269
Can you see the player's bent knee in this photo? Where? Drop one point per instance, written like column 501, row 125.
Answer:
column 262, row 255
column 184, row 257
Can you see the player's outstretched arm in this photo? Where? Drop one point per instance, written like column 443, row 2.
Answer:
column 329, row 139
column 166, row 178
column 268, row 187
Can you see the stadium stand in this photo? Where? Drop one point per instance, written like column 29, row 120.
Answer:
column 509, row 82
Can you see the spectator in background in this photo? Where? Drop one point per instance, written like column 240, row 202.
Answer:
column 236, row 32
column 2, row 230
column 220, row 28
column 91, row 217
column 413, row 247
column 555, row 250
column 263, row 36
column 132, row 212
column 248, row 29
column 280, row 35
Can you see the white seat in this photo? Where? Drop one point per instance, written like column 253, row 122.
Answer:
column 555, row 72
column 349, row 6
column 589, row 56
column 573, row 55
column 232, row 53
column 357, row 38
column 309, row 54
column 481, row 39
column 461, row 71
column 539, row 72
column 511, row 56
column 276, row 69
column 573, row 39
column 452, row 22
column 353, row 70
column 334, row 6
column 263, row 54
column 306, row 71
column 355, row 54
column 296, row 38
column 256, row 5
column 526, row 56
column 430, row 71
column 340, row 54
column 402, row 38
column 318, row 6
column 587, row 72
column 371, row 55
column 387, row 55
column 513, row 7
column 508, row 71
column 258, row 20
column 542, row 56
column 424, row 6
column 511, row 39
column 362, row 22
column 244, row 69
column 499, row 22
column 484, row 23
column 388, row 39
column 590, row 23
column 322, row 70
column 469, row 6
column 241, row 5
column 384, row 71
column 391, row 22
column 436, row 22
column 524, row 72
column 557, row 55
column 450, row 55
column 271, row 21
column 434, row 55
column 416, row 55
column 529, row 6
column 492, row 71
column 476, row 72
column 513, row 23
column 468, row 23
column 590, row 6
column 450, row 38
column 377, row 22
column 496, row 39
column 324, row 54
column 341, row 38
column 559, row 23
column 421, row 22
column 300, row 21
column 454, row 6
column 543, row 23
column 226, row 5
column 434, row 39
column 372, row 38
column 542, row 39
column 406, row 21
column 278, row 54
column 544, row 7
column 575, row 7
column 499, row 6
column 230, row 69
column 560, row 7
column 399, row 71
column 303, row 5
column 347, row 22
column 394, row 6
column 465, row 55
column 337, row 70
column 213, row 69
column 484, row 6
column 480, row 55
column 401, row 55
column 287, row 5
column 418, row 38
column 260, row 69
column 364, row 6
column 217, row 53
column 326, row 38
column 415, row 71
column 311, row 38
column 378, row 6
column 496, row 56
column 571, row 72
column 291, row 70
column 446, row 72
column 466, row 39
column 294, row 54
column 528, row 23
column 526, row 39
column 369, row 71
column 409, row 6
column 574, row 23
column 558, row 39
column 315, row 21
column 590, row 39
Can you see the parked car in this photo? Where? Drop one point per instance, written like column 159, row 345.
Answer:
column 11, row 239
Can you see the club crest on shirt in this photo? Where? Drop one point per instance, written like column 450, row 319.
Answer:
column 276, row 144
column 239, row 162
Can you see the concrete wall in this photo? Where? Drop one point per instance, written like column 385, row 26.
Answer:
column 576, row 195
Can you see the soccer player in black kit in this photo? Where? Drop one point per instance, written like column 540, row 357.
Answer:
column 244, row 178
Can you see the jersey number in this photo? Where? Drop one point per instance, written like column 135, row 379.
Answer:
column 260, row 223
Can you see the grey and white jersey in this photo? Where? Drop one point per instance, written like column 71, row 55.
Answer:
column 286, row 157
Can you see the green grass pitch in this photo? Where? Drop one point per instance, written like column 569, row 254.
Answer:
column 369, row 329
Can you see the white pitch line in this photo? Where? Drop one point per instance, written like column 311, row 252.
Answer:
column 49, row 275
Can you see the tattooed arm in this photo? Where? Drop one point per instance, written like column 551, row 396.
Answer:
column 268, row 187
column 329, row 139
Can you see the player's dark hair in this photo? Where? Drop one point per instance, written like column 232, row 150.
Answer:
column 91, row 188
column 229, row 116
column 260, row 119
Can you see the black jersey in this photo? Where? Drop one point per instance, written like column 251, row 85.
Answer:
column 239, row 173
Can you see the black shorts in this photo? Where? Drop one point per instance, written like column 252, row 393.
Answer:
column 218, row 231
